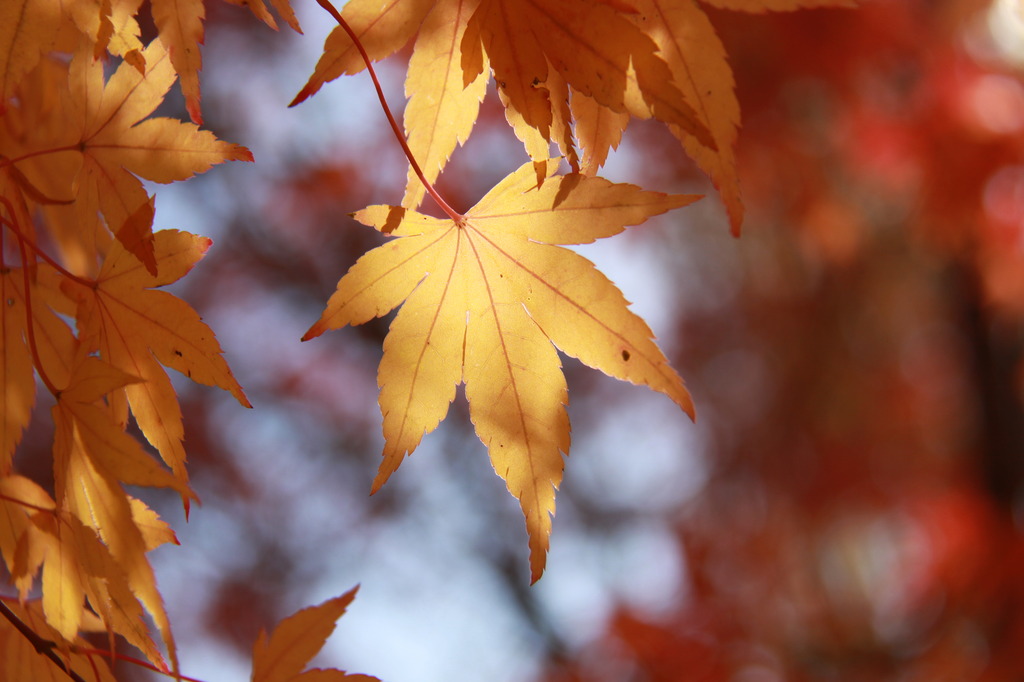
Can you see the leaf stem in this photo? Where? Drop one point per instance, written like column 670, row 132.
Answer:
column 136, row 661
column 30, row 327
column 438, row 199
column 41, row 645
column 38, row 251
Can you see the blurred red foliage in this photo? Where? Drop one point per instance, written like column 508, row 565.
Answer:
column 864, row 524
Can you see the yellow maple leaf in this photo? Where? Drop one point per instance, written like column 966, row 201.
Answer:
column 486, row 301
column 598, row 130
column 441, row 109
column 296, row 639
column 382, row 26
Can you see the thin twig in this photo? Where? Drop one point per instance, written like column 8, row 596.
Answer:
column 38, row 251
column 131, row 659
column 42, row 646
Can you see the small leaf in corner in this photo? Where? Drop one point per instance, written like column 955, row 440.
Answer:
column 296, row 640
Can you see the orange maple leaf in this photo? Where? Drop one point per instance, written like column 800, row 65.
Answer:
column 260, row 11
column 17, row 392
column 296, row 639
column 180, row 23
column 486, row 301
column 54, row 343
column 20, row 498
column 137, row 329
column 85, row 429
column 77, row 565
column 592, row 46
column 21, row 660
column 93, row 458
column 564, row 69
column 695, row 56
column 92, row 148
column 27, row 30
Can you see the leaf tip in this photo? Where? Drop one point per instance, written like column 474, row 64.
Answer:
column 302, row 96
column 686, row 199
column 685, row 403
column 735, row 211
column 243, row 154
column 194, row 112
column 538, row 561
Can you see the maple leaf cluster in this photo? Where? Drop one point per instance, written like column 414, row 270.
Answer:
column 79, row 245
column 83, row 310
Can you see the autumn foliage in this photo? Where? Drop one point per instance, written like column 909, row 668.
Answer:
column 488, row 298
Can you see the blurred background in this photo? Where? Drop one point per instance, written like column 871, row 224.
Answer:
column 847, row 505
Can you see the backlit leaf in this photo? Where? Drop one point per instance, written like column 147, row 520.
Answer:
column 383, row 26
column 295, row 641
column 687, row 42
column 27, row 29
column 441, row 111
column 180, row 23
column 137, row 329
column 95, row 146
column 486, row 302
